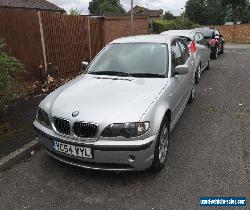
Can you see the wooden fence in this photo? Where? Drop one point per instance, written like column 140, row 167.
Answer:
column 21, row 32
column 40, row 38
column 71, row 39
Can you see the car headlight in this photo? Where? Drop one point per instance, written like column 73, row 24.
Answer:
column 43, row 117
column 126, row 130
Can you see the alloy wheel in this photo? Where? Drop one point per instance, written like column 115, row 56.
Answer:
column 217, row 52
column 192, row 95
column 199, row 73
column 193, row 91
column 163, row 145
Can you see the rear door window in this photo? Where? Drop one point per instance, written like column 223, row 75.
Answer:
column 200, row 39
column 216, row 32
column 176, row 56
column 184, row 51
column 176, row 53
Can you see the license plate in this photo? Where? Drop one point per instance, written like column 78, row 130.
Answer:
column 73, row 150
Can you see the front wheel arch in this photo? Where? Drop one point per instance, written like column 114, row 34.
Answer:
column 168, row 115
column 157, row 163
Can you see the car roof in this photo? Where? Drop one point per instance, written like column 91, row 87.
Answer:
column 208, row 32
column 153, row 38
column 184, row 33
column 207, row 28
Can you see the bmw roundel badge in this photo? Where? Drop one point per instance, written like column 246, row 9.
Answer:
column 75, row 113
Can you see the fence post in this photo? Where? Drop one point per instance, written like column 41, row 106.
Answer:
column 89, row 38
column 42, row 41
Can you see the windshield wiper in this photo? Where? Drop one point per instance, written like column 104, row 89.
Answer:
column 124, row 74
column 147, row 75
column 113, row 73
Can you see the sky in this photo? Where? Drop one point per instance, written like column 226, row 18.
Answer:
column 174, row 6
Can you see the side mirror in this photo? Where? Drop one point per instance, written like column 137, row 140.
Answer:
column 181, row 69
column 84, row 65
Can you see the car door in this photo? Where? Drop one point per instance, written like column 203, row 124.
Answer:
column 206, row 48
column 189, row 61
column 202, row 49
column 179, row 84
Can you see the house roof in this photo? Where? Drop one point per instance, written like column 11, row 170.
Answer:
column 31, row 4
column 138, row 10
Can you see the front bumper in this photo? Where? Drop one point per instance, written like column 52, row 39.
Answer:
column 108, row 155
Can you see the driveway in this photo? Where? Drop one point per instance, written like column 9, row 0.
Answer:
column 208, row 156
column 238, row 46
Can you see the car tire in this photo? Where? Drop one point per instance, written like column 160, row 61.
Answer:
column 208, row 66
column 161, row 146
column 222, row 49
column 215, row 54
column 197, row 76
column 192, row 94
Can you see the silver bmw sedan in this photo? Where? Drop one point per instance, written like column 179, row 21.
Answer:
column 198, row 46
column 119, row 113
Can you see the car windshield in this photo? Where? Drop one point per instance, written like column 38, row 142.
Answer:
column 131, row 59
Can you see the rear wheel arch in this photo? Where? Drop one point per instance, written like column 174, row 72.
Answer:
column 168, row 115
column 198, row 73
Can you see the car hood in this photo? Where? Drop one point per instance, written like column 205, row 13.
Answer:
column 104, row 98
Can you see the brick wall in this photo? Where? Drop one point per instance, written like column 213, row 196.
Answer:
column 116, row 27
column 236, row 33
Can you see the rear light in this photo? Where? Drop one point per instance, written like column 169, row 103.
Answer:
column 212, row 42
column 192, row 47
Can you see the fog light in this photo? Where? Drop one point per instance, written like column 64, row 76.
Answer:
column 131, row 158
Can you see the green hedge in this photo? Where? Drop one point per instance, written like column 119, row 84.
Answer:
column 165, row 25
column 9, row 67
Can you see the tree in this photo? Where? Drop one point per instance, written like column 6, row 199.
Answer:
column 215, row 12
column 168, row 16
column 238, row 7
column 205, row 12
column 104, row 7
column 229, row 15
column 246, row 14
column 75, row 11
column 195, row 11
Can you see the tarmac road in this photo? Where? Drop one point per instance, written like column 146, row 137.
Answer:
column 208, row 156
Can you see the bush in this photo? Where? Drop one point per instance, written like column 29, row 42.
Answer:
column 9, row 67
column 163, row 25
column 166, row 25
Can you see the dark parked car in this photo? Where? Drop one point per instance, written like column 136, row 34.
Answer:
column 215, row 40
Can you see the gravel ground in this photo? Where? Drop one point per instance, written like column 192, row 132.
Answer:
column 208, row 156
